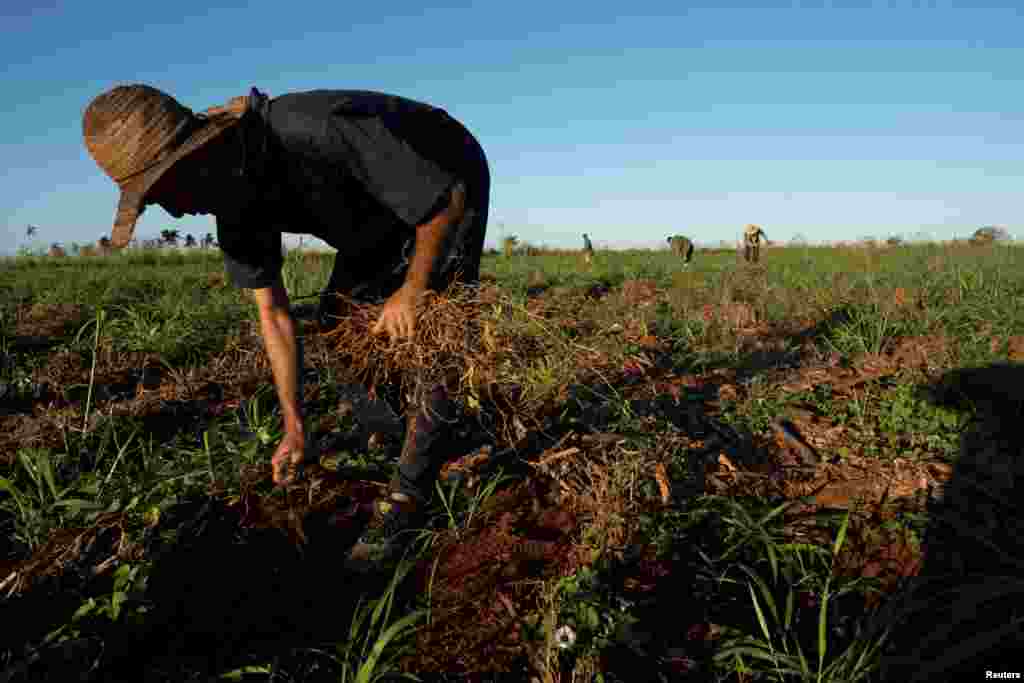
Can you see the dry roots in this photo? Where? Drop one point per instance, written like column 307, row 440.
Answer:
column 466, row 337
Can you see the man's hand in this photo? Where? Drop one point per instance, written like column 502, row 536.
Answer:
column 398, row 319
column 289, row 454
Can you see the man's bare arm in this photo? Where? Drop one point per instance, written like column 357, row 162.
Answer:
column 398, row 317
column 429, row 238
column 278, row 331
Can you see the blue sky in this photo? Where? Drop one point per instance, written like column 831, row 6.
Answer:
column 629, row 121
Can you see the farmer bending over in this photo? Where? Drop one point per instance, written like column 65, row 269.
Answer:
column 398, row 187
column 588, row 250
column 682, row 247
column 752, row 235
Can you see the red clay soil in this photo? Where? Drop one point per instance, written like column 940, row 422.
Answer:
column 46, row 320
column 737, row 316
column 1015, row 347
column 25, row 431
column 491, row 577
column 640, row 292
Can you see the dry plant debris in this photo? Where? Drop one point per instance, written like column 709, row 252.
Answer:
column 69, row 549
column 480, row 344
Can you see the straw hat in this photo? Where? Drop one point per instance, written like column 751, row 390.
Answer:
column 136, row 133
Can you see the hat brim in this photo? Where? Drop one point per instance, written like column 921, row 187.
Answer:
column 132, row 201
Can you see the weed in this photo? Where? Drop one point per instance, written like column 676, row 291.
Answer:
column 39, row 503
column 100, row 316
column 461, row 510
column 892, row 416
column 909, row 421
column 303, row 275
column 866, row 328
column 780, row 652
column 589, row 615
column 376, row 642
column 763, row 405
column 256, row 420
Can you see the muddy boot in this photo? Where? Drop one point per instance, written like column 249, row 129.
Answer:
column 393, row 521
column 428, row 431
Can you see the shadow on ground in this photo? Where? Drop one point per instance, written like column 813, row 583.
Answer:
column 222, row 593
column 962, row 615
column 233, row 582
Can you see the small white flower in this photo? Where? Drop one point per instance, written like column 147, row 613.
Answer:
column 565, row 637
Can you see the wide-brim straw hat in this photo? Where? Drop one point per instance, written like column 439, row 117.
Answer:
column 136, row 133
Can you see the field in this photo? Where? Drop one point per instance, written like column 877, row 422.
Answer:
column 799, row 470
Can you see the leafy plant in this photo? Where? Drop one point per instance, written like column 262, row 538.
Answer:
column 459, row 507
column 129, row 585
column 864, row 328
column 41, row 505
column 151, row 328
column 594, row 617
column 778, row 653
column 375, row 642
column 904, row 412
column 255, row 421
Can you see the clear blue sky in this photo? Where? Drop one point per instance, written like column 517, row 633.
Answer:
column 626, row 120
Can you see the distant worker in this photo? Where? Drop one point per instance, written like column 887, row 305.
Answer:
column 588, row 250
column 682, row 247
column 752, row 235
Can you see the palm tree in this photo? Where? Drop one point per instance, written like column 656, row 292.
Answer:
column 31, row 230
column 169, row 237
column 190, row 241
column 207, row 240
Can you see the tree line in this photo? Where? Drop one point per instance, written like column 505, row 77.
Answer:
column 102, row 246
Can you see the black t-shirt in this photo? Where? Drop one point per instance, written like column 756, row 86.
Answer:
column 360, row 170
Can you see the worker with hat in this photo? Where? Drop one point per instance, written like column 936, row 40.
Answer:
column 398, row 187
column 752, row 236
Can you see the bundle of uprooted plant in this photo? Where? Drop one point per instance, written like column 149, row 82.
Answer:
column 483, row 346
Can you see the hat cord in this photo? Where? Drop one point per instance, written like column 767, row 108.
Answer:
column 255, row 104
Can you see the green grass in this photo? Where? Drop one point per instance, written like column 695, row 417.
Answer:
column 164, row 303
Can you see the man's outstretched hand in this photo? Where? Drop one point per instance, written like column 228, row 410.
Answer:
column 287, row 458
column 398, row 318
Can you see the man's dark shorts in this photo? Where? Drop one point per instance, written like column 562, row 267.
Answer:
column 373, row 277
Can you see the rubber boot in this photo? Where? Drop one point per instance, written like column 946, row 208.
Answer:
column 392, row 522
column 429, row 422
